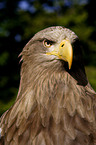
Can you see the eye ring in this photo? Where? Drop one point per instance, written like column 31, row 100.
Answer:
column 47, row 43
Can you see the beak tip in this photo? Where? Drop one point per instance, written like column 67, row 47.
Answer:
column 69, row 65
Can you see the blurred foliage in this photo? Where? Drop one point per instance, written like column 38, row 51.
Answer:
column 91, row 74
column 21, row 19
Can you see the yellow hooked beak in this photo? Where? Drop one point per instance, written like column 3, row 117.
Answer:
column 64, row 51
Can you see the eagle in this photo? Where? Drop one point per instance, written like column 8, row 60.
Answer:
column 56, row 104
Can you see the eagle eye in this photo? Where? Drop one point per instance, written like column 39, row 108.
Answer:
column 47, row 43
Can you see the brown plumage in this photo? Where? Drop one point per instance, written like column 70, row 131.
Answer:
column 55, row 104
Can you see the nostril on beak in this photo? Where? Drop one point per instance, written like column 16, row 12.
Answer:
column 62, row 45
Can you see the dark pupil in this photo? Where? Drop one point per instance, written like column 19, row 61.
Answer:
column 48, row 42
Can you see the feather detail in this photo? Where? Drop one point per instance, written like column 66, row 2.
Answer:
column 5, row 141
column 55, row 128
column 35, row 127
column 23, row 139
column 45, row 116
column 81, row 109
column 90, row 115
column 71, row 104
column 47, row 137
column 25, row 123
column 12, row 142
column 55, row 110
column 39, row 140
column 10, row 132
column 82, row 125
column 14, row 110
column 29, row 103
column 68, row 125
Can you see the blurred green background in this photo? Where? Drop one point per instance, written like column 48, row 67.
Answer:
column 21, row 19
